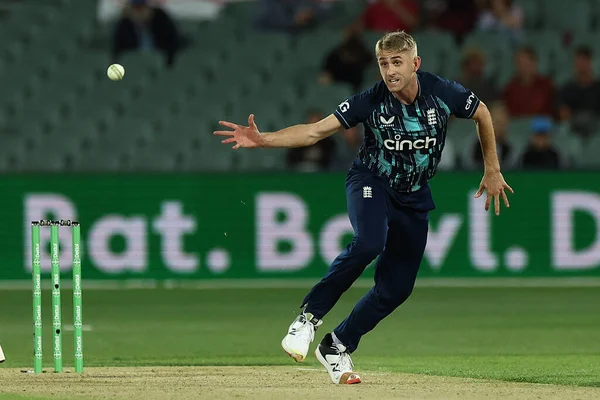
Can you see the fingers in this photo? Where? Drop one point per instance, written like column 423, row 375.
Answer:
column 505, row 198
column 497, row 204
column 230, row 140
column 229, row 124
column 223, row 133
column 251, row 123
column 237, row 146
column 509, row 188
column 487, row 202
column 479, row 192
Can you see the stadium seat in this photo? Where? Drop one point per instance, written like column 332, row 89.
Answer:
column 13, row 153
column 163, row 119
column 584, row 152
column 327, row 97
column 531, row 12
column 496, row 47
column 313, row 47
column 260, row 159
column 567, row 16
column 438, row 51
column 463, row 135
column 552, row 55
column 570, row 148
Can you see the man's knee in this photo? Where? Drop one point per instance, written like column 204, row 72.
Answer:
column 367, row 248
column 394, row 297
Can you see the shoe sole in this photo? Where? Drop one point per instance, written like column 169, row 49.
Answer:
column 296, row 356
column 347, row 378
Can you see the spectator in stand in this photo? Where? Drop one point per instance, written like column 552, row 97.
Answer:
column 347, row 62
column 391, row 15
column 145, row 27
column 502, row 16
column 540, row 153
column 579, row 99
column 291, row 16
column 501, row 120
column 473, row 76
column 455, row 16
column 315, row 158
column 529, row 93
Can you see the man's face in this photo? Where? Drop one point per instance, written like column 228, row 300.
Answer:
column 526, row 64
column 397, row 68
column 140, row 13
column 583, row 65
column 541, row 141
column 475, row 66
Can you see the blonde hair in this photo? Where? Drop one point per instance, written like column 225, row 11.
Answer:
column 399, row 41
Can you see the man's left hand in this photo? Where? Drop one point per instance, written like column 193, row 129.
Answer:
column 493, row 182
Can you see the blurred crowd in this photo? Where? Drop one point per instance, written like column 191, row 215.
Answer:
column 527, row 94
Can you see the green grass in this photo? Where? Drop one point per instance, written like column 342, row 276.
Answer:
column 545, row 335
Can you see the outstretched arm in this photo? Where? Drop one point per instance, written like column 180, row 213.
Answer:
column 294, row 136
column 493, row 181
column 487, row 138
column 302, row 135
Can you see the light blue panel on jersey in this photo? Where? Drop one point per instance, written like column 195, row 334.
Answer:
column 418, row 110
column 443, row 105
column 412, row 124
column 422, row 160
column 384, row 165
column 377, row 134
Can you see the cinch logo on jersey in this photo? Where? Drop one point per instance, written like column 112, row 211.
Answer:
column 398, row 144
column 470, row 101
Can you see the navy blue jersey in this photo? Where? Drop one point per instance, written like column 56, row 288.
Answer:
column 403, row 143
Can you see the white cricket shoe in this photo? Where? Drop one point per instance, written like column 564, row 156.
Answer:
column 300, row 335
column 2, row 358
column 336, row 361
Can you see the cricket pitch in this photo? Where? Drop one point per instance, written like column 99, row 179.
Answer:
column 278, row 382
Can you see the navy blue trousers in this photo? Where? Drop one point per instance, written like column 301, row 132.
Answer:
column 387, row 224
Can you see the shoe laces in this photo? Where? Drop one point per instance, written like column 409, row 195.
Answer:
column 307, row 331
column 344, row 363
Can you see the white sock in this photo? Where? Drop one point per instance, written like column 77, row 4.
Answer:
column 335, row 339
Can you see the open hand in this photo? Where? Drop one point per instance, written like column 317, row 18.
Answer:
column 495, row 185
column 242, row 136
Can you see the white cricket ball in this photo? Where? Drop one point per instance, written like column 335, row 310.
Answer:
column 115, row 72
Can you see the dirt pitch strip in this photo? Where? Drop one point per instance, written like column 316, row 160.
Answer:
column 293, row 382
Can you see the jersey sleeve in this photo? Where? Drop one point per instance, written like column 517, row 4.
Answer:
column 462, row 102
column 357, row 108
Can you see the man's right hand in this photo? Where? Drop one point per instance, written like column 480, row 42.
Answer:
column 242, row 136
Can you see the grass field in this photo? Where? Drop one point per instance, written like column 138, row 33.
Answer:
column 443, row 343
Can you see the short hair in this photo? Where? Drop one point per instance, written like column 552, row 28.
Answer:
column 396, row 41
column 528, row 50
column 583, row 51
column 470, row 53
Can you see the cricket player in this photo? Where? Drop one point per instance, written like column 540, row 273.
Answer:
column 405, row 116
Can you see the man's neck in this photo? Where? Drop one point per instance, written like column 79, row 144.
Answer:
column 409, row 94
